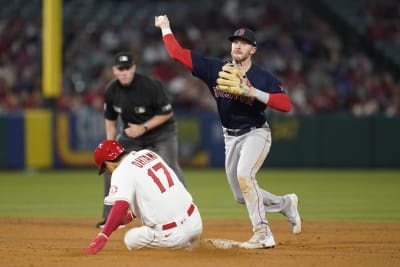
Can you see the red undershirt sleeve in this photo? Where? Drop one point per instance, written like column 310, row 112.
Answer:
column 176, row 52
column 279, row 102
column 116, row 217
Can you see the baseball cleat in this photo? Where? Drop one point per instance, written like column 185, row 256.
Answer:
column 259, row 240
column 292, row 213
column 103, row 223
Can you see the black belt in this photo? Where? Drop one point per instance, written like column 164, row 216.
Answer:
column 239, row 132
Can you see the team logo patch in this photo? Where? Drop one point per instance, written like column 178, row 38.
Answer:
column 117, row 109
column 166, row 108
column 140, row 109
column 240, row 32
column 113, row 190
column 123, row 58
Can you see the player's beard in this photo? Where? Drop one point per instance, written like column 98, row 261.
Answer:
column 238, row 58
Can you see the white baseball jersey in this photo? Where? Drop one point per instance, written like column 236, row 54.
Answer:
column 158, row 198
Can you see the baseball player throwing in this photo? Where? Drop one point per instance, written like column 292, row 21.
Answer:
column 144, row 186
column 242, row 90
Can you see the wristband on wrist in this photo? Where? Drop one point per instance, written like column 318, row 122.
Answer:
column 261, row 96
column 103, row 235
column 166, row 31
column 146, row 127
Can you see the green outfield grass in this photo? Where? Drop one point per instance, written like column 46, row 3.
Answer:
column 339, row 195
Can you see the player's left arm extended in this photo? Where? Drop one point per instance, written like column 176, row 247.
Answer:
column 119, row 214
column 278, row 101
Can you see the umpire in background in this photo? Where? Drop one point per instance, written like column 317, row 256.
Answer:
column 141, row 104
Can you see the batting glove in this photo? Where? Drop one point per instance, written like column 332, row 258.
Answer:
column 97, row 244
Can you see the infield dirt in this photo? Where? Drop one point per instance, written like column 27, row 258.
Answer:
column 58, row 242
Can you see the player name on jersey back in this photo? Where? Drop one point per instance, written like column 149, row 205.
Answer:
column 144, row 159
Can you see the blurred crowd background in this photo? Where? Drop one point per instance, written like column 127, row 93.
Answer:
column 332, row 56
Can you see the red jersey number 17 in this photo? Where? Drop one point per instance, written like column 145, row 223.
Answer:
column 152, row 172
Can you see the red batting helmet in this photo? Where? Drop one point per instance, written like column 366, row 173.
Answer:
column 107, row 150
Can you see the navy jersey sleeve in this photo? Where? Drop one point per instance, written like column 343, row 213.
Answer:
column 264, row 80
column 206, row 68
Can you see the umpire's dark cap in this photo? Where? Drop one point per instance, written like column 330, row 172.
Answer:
column 123, row 59
column 244, row 33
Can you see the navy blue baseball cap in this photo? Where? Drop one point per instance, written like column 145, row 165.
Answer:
column 244, row 33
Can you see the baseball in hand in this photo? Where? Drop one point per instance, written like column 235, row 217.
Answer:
column 159, row 19
column 162, row 21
